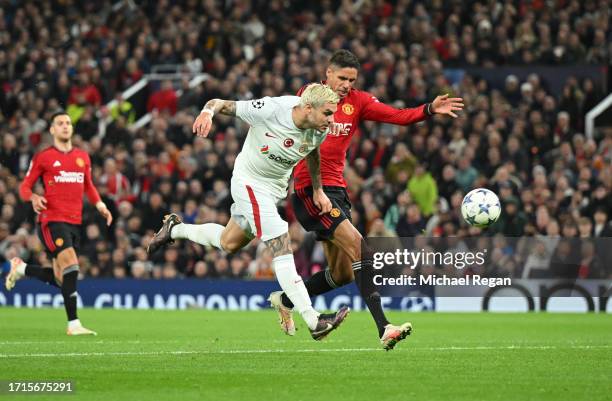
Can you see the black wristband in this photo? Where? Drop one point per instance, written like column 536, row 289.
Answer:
column 427, row 109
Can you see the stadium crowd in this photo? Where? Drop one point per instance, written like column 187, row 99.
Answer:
column 522, row 140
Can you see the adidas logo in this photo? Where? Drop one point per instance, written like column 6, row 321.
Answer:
column 57, row 163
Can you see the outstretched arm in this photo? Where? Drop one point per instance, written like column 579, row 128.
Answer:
column 313, row 161
column 203, row 122
column 376, row 111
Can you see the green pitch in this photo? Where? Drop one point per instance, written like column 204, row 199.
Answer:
column 210, row 355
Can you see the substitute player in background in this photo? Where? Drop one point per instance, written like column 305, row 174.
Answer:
column 341, row 240
column 284, row 130
column 66, row 175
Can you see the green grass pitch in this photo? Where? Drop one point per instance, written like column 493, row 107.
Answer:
column 213, row 355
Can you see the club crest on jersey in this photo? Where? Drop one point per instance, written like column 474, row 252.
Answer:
column 288, row 142
column 80, row 162
column 264, row 149
column 348, row 109
column 303, row 148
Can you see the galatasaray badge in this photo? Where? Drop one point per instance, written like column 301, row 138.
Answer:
column 348, row 109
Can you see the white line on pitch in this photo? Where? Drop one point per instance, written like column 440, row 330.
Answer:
column 277, row 351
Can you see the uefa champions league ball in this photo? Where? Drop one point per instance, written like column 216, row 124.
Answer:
column 481, row 207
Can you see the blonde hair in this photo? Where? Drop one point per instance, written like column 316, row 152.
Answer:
column 317, row 95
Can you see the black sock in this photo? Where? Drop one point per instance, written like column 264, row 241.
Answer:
column 69, row 291
column 44, row 274
column 364, row 280
column 319, row 283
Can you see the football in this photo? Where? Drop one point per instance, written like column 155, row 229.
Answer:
column 480, row 207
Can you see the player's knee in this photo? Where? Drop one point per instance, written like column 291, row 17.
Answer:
column 354, row 250
column 229, row 245
column 343, row 275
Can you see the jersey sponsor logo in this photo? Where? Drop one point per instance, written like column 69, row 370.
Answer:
column 69, row 177
column 57, row 163
column 343, row 129
column 59, row 241
column 281, row 160
column 80, row 162
column 288, row 142
column 264, row 149
column 258, row 104
column 269, row 135
column 348, row 109
column 335, row 212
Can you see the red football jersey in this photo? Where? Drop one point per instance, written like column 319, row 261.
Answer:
column 352, row 109
column 66, row 176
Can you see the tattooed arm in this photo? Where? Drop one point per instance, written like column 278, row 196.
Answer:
column 203, row 122
column 313, row 161
column 280, row 245
column 227, row 107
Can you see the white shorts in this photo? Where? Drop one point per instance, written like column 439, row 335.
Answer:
column 254, row 209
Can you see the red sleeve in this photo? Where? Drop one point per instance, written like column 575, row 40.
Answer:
column 374, row 110
column 34, row 171
column 90, row 189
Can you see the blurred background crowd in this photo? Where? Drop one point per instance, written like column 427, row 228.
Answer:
column 521, row 137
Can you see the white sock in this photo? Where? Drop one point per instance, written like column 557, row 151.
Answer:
column 74, row 323
column 293, row 285
column 21, row 268
column 204, row 234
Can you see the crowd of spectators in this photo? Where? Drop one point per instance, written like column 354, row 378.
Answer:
column 522, row 140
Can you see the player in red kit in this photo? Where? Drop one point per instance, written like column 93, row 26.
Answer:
column 341, row 240
column 66, row 174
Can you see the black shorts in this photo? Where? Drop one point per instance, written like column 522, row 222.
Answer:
column 308, row 214
column 57, row 236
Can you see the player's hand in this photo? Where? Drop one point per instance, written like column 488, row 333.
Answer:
column 202, row 124
column 445, row 105
column 322, row 201
column 39, row 203
column 105, row 212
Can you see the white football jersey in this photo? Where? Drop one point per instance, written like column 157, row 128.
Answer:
column 274, row 145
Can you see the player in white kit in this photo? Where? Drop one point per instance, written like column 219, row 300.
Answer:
column 283, row 130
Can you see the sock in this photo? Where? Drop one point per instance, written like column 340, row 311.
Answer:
column 74, row 323
column 44, row 274
column 204, row 234
column 319, row 283
column 293, row 286
column 363, row 278
column 69, row 291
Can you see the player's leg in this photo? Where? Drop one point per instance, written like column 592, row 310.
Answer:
column 20, row 269
column 355, row 256
column 325, row 280
column 230, row 238
column 65, row 237
column 68, row 265
column 320, row 325
column 258, row 207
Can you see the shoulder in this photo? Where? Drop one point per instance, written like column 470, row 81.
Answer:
column 360, row 96
column 272, row 104
column 44, row 154
column 78, row 152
